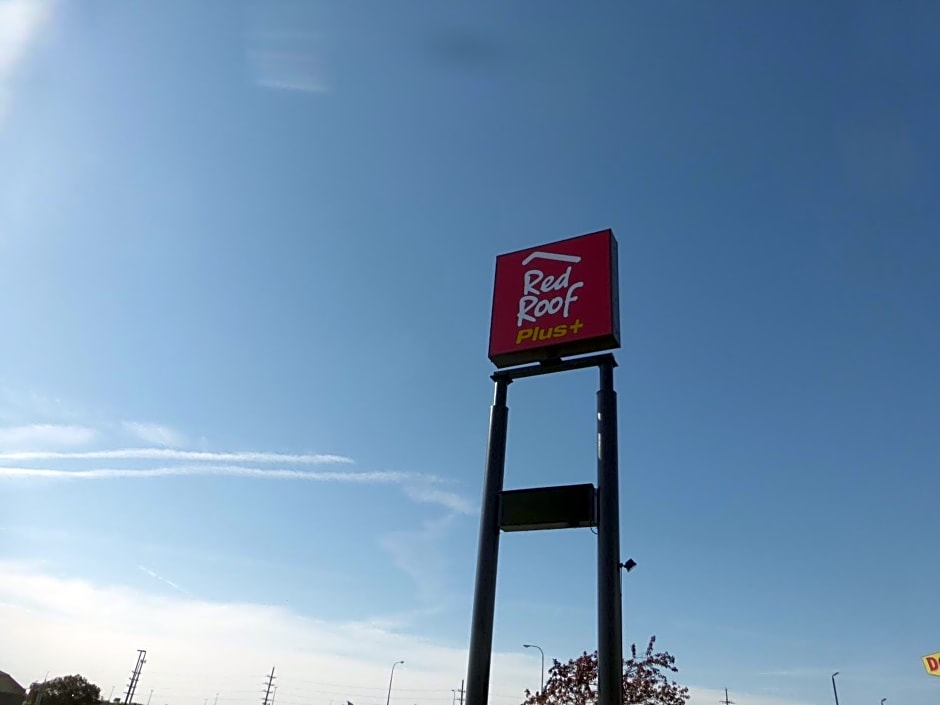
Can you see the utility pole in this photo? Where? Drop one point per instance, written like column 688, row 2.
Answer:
column 149, row 696
column 216, row 701
column 267, row 692
column 461, row 692
column 135, row 676
column 726, row 701
column 42, row 691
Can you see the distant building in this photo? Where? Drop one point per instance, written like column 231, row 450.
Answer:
column 11, row 692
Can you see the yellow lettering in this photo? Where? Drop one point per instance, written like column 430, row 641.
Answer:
column 537, row 333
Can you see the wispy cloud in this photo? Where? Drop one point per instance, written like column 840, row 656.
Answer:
column 182, row 455
column 155, row 433
column 45, row 435
column 429, row 494
column 85, row 626
column 420, row 555
column 288, row 70
column 211, row 470
column 20, row 24
column 30, row 406
column 285, row 48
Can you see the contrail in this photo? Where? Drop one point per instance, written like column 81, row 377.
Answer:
column 213, row 470
column 163, row 580
column 170, row 454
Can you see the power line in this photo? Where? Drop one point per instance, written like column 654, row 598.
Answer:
column 294, row 685
column 289, row 693
column 303, row 691
column 380, row 689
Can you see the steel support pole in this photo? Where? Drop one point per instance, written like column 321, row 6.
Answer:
column 609, row 608
column 484, row 594
column 390, row 678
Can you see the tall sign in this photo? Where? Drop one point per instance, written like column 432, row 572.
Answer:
column 556, row 300
column 552, row 302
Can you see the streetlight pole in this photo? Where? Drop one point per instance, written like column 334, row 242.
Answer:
column 453, row 700
column 389, row 698
column 883, row 701
column 534, row 646
column 835, row 692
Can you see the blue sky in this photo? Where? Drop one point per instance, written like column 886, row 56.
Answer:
column 234, row 227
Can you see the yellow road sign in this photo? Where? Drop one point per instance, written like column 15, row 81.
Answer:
column 932, row 664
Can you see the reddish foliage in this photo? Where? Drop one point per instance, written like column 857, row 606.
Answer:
column 646, row 680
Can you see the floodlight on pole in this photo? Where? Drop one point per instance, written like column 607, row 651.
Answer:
column 533, row 646
column 389, row 698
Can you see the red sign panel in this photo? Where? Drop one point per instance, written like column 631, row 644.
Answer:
column 556, row 300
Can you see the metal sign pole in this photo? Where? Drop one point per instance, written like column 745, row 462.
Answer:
column 609, row 607
column 484, row 595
